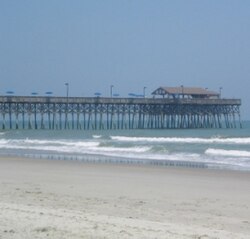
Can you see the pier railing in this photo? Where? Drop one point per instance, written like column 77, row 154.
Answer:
column 108, row 100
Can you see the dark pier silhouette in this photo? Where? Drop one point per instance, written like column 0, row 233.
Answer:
column 100, row 113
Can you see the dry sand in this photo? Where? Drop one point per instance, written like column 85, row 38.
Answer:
column 59, row 199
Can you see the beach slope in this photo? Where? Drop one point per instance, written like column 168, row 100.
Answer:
column 69, row 199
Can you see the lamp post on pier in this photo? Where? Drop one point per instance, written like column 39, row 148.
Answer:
column 144, row 91
column 67, row 105
column 182, row 91
column 111, row 90
column 220, row 91
column 67, row 89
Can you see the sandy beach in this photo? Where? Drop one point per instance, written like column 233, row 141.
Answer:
column 70, row 199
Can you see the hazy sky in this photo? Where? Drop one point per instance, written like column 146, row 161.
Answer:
column 127, row 43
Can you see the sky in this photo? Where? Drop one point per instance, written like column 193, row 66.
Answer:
column 130, row 44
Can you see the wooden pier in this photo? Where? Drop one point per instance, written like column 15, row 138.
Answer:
column 99, row 113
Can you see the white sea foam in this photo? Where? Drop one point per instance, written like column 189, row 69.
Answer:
column 120, row 151
column 32, row 142
column 79, row 147
column 228, row 153
column 96, row 136
column 182, row 140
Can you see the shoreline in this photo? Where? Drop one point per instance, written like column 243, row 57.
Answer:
column 72, row 199
column 105, row 159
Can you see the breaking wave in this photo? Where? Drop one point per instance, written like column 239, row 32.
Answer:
column 230, row 153
column 183, row 140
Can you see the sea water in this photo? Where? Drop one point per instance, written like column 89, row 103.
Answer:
column 211, row 148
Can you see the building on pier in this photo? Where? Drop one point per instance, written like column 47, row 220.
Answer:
column 185, row 92
column 196, row 109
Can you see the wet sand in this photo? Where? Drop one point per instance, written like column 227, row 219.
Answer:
column 70, row 199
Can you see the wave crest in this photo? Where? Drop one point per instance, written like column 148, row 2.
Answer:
column 223, row 152
column 190, row 140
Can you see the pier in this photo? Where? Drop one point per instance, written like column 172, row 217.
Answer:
column 101, row 113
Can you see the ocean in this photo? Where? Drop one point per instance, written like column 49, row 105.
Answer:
column 206, row 148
